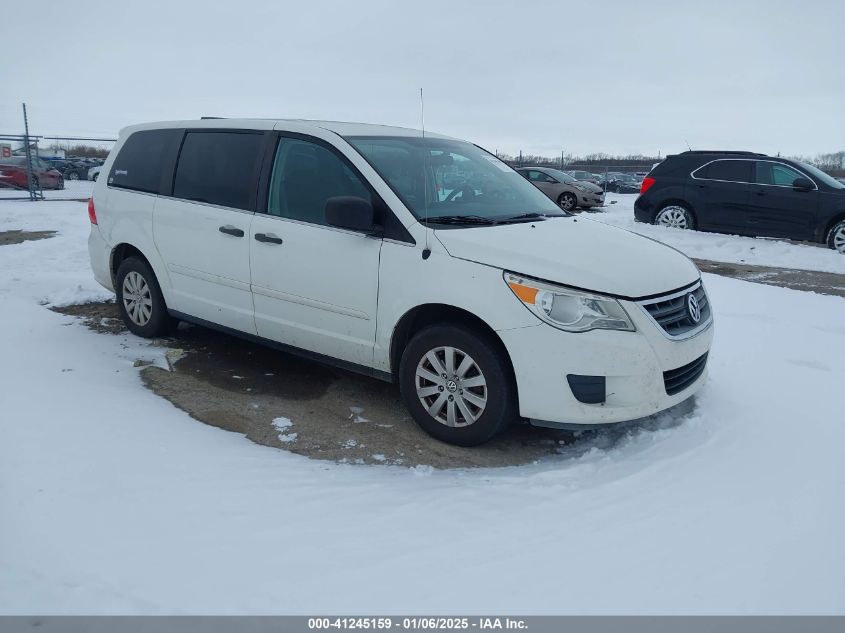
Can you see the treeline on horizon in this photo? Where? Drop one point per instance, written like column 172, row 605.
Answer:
column 832, row 162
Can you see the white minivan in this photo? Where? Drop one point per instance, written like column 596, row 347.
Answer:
column 408, row 256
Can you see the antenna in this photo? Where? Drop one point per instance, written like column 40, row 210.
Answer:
column 427, row 250
column 688, row 145
column 422, row 112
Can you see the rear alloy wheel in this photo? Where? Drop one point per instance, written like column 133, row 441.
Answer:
column 836, row 237
column 674, row 216
column 567, row 201
column 73, row 176
column 139, row 300
column 457, row 385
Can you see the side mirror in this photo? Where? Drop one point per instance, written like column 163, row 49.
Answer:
column 802, row 184
column 350, row 212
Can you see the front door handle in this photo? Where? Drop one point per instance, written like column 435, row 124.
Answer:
column 268, row 238
column 760, row 192
column 231, row 230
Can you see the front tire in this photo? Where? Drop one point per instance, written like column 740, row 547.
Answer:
column 675, row 216
column 836, row 237
column 457, row 384
column 567, row 201
column 140, row 301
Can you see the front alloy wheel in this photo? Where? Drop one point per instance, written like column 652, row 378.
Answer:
column 567, row 201
column 674, row 216
column 457, row 383
column 451, row 386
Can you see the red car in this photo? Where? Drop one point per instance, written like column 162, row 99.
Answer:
column 13, row 173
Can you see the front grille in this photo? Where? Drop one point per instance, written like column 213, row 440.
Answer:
column 672, row 314
column 676, row 380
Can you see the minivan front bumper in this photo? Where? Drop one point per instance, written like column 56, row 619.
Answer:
column 637, row 367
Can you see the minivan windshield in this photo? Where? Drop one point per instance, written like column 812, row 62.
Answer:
column 453, row 182
column 827, row 179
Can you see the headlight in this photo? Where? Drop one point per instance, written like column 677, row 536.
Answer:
column 579, row 188
column 567, row 309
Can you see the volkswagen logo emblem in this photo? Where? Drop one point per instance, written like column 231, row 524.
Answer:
column 693, row 309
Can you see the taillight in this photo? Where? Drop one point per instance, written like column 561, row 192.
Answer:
column 92, row 213
column 648, row 181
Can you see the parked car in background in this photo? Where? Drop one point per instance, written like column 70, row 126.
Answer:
column 584, row 176
column 747, row 194
column 94, row 172
column 563, row 188
column 486, row 305
column 619, row 182
column 13, row 173
column 70, row 169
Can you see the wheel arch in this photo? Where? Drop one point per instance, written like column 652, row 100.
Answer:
column 125, row 250
column 836, row 219
column 428, row 314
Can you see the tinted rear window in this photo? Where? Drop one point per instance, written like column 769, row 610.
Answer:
column 729, row 170
column 138, row 165
column 219, row 168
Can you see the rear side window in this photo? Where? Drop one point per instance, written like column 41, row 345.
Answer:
column 728, row 170
column 138, row 165
column 219, row 168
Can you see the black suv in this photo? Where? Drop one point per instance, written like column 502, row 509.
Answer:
column 744, row 193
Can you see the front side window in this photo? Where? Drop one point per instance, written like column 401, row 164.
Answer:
column 776, row 174
column 726, row 170
column 539, row 176
column 443, row 178
column 219, row 168
column 305, row 175
column 138, row 164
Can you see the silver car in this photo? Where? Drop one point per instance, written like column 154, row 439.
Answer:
column 568, row 192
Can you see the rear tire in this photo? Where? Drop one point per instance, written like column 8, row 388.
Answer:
column 836, row 237
column 675, row 216
column 457, row 384
column 140, row 301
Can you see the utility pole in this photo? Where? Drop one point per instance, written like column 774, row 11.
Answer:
column 520, row 158
column 30, row 180
column 561, row 160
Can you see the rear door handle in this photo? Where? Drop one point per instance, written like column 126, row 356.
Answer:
column 760, row 192
column 268, row 238
column 231, row 230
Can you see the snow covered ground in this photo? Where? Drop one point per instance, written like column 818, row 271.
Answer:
column 720, row 247
column 113, row 501
column 73, row 189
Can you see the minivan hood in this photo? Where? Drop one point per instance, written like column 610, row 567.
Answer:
column 576, row 252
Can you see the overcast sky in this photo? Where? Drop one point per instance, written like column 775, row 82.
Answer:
column 614, row 77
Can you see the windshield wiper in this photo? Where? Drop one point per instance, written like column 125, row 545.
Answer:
column 460, row 219
column 524, row 217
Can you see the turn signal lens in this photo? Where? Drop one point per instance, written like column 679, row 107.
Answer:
column 648, row 181
column 527, row 294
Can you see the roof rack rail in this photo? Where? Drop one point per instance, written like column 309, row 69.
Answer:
column 203, row 118
column 721, row 151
